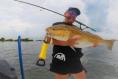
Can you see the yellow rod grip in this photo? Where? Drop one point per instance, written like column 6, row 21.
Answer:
column 43, row 52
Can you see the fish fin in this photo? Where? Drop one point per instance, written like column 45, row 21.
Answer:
column 73, row 48
column 109, row 44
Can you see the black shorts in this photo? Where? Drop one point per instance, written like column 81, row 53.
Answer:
column 66, row 67
column 65, row 60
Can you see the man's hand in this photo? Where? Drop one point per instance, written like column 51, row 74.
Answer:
column 73, row 40
column 47, row 39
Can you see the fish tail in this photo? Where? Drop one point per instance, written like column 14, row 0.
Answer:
column 109, row 44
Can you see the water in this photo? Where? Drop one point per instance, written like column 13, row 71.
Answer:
column 99, row 62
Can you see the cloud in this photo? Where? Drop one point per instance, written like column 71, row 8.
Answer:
column 31, row 21
column 112, row 18
column 96, row 12
column 111, row 24
column 16, row 25
column 11, row 28
column 102, row 15
column 90, row 1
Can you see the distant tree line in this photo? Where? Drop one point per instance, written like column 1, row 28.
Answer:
column 23, row 39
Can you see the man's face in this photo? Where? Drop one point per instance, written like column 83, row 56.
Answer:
column 69, row 17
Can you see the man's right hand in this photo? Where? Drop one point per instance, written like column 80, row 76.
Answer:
column 73, row 40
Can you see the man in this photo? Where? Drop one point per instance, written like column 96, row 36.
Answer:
column 66, row 59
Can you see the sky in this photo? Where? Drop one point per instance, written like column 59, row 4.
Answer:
column 18, row 18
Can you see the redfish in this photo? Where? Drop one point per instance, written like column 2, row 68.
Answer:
column 64, row 32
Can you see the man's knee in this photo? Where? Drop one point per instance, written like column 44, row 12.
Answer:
column 61, row 76
column 81, row 75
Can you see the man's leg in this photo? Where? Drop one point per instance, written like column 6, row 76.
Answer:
column 81, row 75
column 60, row 76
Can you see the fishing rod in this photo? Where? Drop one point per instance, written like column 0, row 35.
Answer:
column 56, row 13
